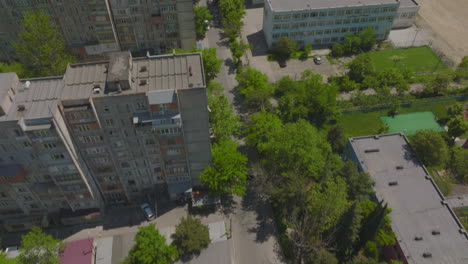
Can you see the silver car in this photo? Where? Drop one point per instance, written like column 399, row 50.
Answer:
column 149, row 213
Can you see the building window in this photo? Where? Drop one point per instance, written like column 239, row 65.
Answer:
column 276, row 26
column 312, row 24
column 331, row 13
column 50, row 145
column 296, row 16
column 313, row 14
column 57, row 156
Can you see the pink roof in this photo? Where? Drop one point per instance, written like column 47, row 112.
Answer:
column 78, row 252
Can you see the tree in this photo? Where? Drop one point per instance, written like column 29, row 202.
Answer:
column 232, row 12
column 457, row 126
column 462, row 69
column 347, row 233
column 260, row 126
column 191, row 236
column 228, row 171
column 41, row 48
column 337, row 139
column 308, row 98
column 223, row 121
column 306, row 51
column 337, row 50
column 296, row 147
column 439, row 83
column 360, row 67
column 459, row 164
column 39, row 248
column 254, row 86
column 16, row 67
column 455, row 110
column 375, row 225
column 368, row 39
column 359, row 183
column 151, row 248
column 284, row 47
column 202, row 18
column 322, row 256
column 371, row 251
column 430, row 147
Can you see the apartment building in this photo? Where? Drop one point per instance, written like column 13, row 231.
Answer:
column 95, row 27
column 406, row 14
column 325, row 22
column 39, row 169
column 132, row 127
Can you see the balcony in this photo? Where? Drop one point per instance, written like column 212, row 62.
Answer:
column 157, row 122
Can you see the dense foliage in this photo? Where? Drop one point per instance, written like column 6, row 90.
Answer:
column 191, row 236
column 232, row 12
column 39, row 248
column 430, row 147
column 151, row 248
column 353, row 44
column 202, row 20
column 41, row 48
column 284, row 47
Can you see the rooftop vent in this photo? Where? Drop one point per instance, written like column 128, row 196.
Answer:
column 427, row 177
column 462, row 231
column 443, row 202
column 190, row 85
column 96, row 90
column 418, row 238
column 190, row 70
column 427, row 255
column 96, row 85
column 399, row 167
column 143, row 69
column 376, row 137
column 392, row 183
column 21, row 108
column 435, row 232
column 27, row 84
column 371, row 150
column 143, row 82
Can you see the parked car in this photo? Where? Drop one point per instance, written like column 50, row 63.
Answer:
column 318, row 60
column 148, row 212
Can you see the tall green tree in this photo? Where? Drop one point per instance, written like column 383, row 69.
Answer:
column 191, row 236
column 228, row 171
column 359, row 183
column 202, row 20
column 238, row 49
column 41, row 48
column 462, row 69
column 360, row 67
column 232, row 12
column 459, row 164
column 347, row 233
column 223, row 121
column 430, row 147
column 368, row 39
column 284, row 47
column 440, row 83
column 40, row 248
column 254, row 86
column 308, row 98
column 260, row 126
column 456, row 109
column 151, row 248
column 457, row 126
column 337, row 139
column 375, row 225
column 296, row 147
column 14, row 67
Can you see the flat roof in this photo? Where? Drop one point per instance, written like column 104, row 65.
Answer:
column 153, row 73
column 78, row 252
column 291, row 5
column 408, row 3
column 416, row 202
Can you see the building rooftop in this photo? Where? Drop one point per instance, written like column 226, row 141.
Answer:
column 154, row 73
column 408, row 3
column 291, row 5
column 418, row 206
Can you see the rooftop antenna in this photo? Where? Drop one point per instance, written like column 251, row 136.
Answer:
column 27, row 84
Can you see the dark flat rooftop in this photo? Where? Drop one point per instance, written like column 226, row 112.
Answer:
column 416, row 202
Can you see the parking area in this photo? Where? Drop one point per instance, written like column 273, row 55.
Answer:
column 257, row 56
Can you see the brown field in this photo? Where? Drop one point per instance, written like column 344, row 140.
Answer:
column 446, row 24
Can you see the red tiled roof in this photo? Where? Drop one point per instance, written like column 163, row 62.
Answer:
column 78, row 252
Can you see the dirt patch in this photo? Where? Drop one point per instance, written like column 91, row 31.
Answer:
column 446, row 23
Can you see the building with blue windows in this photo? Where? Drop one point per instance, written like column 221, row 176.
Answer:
column 325, row 22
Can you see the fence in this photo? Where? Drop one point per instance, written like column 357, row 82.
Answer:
column 426, row 101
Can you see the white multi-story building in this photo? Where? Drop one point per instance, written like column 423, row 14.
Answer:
column 325, row 22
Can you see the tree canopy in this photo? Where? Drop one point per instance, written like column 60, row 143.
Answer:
column 359, row 183
column 254, row 86
column 457, row 126
column 191, row 236
column 232, row 12
column 39, row 248
column 228, row 172
column 223, row 121
column 202, row 19
column 308, row 99
column 151, row 248
column 430, row 147
column 260, row 127
column 353, row 44
column 459, row 164
column 41, row 48
column 337, row 139
column 297, row 147
column 360, row 67
column 284, row 47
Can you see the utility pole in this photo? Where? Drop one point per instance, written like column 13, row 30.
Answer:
column 415, row 35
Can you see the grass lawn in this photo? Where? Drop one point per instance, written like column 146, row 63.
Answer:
column 363, row 124
column 419, row 59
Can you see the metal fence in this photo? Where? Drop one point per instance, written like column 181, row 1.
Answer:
column 426, row 101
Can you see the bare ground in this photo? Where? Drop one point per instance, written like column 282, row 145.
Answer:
column 446, row 24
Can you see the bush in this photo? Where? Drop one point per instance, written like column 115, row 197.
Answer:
column 284, row 47
column 371, row 251
column 430, row 147
column 191, row 236
column 354, row 44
